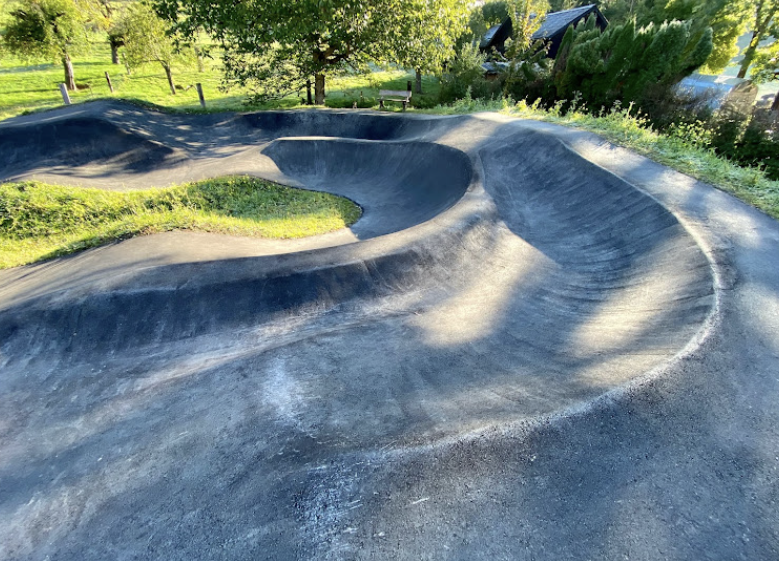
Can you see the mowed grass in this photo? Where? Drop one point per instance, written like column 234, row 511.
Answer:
column 26, row 87
column 40, row 221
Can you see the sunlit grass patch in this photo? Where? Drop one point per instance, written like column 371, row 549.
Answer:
column 40, row 221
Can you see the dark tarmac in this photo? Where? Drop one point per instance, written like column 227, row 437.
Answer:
column 533, row 345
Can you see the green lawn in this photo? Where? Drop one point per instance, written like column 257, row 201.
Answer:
column 25, row 88
column 40, row 221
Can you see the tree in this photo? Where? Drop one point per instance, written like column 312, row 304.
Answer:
column 482, row 17
column 765, row 68
column 622, row 63
column 431, row 30
column 727, row 18
column 53, row 29
column 147, row 40
column 318, row 37
column 618, row 11
column 764, row 14
column 560, row 5
column 106, row 16
column 111, row 16
column 526, row 18
column 526, row 58
column 728, row 23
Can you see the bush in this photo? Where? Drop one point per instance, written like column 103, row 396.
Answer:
column 465, row 75
column 749, row 142
column 623, row 63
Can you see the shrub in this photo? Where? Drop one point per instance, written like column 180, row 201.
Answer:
column 465, row 74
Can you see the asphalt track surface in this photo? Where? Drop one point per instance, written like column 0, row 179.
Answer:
column 533, row 345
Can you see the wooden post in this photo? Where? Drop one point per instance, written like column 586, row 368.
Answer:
column 200, row 95
column 108, row 79
column 64, row 92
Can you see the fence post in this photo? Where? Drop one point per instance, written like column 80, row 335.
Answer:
column 64, row 92
column 108, row 79
column 200, row 95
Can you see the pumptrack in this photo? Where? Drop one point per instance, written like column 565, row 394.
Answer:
column 532, row 345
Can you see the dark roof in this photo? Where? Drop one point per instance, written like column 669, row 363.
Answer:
column 496, row 36
column 485, row 41
column 559, row 21
column 551, row 31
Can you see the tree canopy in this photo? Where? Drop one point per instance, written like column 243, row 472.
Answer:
column 431, row 31
column 146, row 40
column 762, row 22
column 624, row 62
column 728, row 20
column 315, row 37
column 52, row 29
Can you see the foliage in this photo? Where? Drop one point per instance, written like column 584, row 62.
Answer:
column 560, row 5
column 763, row 15
column 765, row 68
column 317, row 37
column 624, row 63
column 482, row 18
column 527, row 16
column 49, row 29
column 146, row 40
column 748, row 141
column 39, row 221
column 727, row 18
column 429, row 30
column 465, row 76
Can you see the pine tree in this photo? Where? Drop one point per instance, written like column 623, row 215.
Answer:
column 623, row 62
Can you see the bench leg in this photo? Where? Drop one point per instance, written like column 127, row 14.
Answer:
column 404, row 104
column 381, row 103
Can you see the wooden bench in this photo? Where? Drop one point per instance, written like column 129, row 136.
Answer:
column 403, row 97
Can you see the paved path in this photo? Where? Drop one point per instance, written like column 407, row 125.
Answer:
column 533, row 345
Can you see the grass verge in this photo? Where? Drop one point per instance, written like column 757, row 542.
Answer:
column 623, row 127
column 40, row 221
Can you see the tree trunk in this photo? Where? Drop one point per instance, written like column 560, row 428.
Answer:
column 309, row 99
column 749, row 55
column 70, row 79
column 319, row 89
column 170, row 78
column 775, row 105
column 419, row 81
column 199, row 56
column 114, row 53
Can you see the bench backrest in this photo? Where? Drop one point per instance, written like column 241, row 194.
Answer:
column 398, row 93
